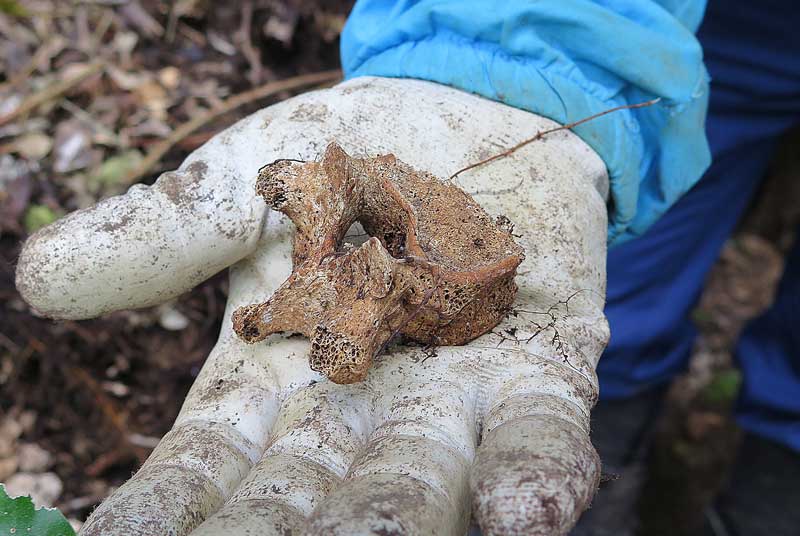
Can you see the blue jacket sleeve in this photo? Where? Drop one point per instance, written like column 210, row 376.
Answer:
column 566, row 60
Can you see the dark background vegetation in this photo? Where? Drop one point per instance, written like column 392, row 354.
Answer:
column 83, row 403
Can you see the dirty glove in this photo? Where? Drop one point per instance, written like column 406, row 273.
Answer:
column 263, row 445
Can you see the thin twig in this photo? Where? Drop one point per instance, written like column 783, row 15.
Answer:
column 250, row 53
column 425, row 299
column 542, row 134
column 85, row 117
column 49, row 48
column 172, row 23
column 161, row 148
column 100, row 30
column 51, row 92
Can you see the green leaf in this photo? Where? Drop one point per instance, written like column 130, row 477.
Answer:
column 37, row 216
column 701, row 317
column 724, row 387
column 113, row 171
column 13, row 8
column 18, row 516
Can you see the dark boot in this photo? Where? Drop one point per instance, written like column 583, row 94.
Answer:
column 622, row 432
column 763, row 496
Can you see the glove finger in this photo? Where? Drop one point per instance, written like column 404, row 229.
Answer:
column 317, row 435
column 218, row 435
column 152, row 243
column 225, row 422
column 535, row 470
column 412, row 476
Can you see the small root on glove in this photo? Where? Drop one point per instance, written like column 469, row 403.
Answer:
column 437, row 268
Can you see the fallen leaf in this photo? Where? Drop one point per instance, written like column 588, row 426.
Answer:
column 13, row 8
column 109, row 176
column 128, row 81
column 37, row 216
column 72, row 143
column 170, row 77
column 33, row 458
column 78, row 186
column 151, row 127
column 8, row 466
column 34, row 145
column 220, row 44
column 152, row 95
column 117, row 389
column 9, row 103
column 73, row 70
column 171, row 319
column 280, row 29
column 15, row 192
column 43, row 488
column 134, row 13
column 124, row 43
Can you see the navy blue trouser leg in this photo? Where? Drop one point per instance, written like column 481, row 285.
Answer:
column 655, row 281
column 753, row 55
column 769, row 355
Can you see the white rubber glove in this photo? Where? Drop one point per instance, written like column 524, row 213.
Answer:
column 263, row 445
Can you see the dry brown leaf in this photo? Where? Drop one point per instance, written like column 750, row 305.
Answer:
column 170, row 77
column 34, row 145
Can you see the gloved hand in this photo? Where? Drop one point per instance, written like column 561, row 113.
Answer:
column 263, row 445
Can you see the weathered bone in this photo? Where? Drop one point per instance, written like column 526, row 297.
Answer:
column 437, row 269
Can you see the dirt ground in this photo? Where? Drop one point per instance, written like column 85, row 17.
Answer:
column 83, row 403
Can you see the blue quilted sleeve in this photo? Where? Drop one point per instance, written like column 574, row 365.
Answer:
column 566, row 60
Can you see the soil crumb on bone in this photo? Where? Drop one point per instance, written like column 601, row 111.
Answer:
column 437, row 268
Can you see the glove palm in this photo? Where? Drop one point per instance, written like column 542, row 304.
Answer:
column 264, row 445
